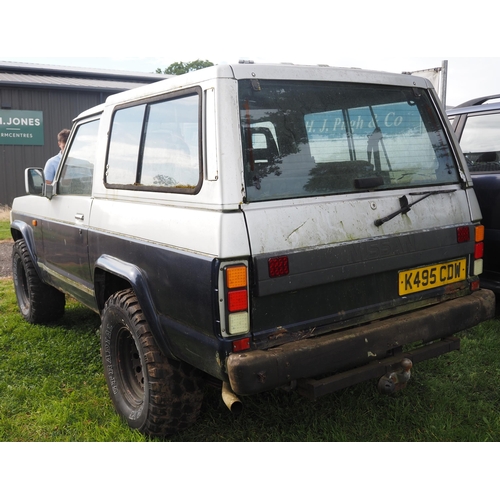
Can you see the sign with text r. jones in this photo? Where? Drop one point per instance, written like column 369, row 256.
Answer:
column 21, row 128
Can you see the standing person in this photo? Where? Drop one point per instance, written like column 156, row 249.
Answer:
column 52, row 163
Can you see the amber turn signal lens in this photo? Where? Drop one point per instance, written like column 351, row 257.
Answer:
column 479, row 234
column 236, row 277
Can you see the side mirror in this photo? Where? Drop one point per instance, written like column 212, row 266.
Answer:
column 34, row 181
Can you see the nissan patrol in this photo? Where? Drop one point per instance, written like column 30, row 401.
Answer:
column 262, row 226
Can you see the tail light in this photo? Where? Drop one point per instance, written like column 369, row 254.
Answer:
column 463, row 236
column 234, row 300
column 478, row 250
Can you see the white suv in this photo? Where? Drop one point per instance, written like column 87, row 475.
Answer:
column 264, row 226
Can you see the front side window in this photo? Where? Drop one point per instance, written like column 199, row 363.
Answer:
column 309, row 139
column 480, row 142
column 78, row 170
column 156, row 146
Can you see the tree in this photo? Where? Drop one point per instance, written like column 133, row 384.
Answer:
column 179, row 68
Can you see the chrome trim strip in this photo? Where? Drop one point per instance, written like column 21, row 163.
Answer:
column 65, row 279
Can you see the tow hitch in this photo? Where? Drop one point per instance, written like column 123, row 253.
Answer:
column 394, row 370
column 396, row 380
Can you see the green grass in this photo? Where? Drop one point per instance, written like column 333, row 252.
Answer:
column 4, row 223
column 51, row 379
column 52, row 389
column 5, row 230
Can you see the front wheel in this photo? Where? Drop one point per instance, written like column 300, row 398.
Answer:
column 152, row 393
column 37, row 301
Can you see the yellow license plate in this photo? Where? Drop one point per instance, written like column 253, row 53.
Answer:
column 425, row 278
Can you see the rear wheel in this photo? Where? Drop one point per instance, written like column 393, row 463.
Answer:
column 152, row 393
column 37, row 301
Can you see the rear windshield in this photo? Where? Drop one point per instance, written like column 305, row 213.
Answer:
column 308, row 139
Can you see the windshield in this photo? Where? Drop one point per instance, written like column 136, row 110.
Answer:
column 312, row 138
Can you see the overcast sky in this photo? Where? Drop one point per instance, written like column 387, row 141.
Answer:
column 467, row 77
column 384, row 35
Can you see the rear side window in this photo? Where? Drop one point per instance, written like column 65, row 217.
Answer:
column 309, row 139
column 156, row 146
column 480, row 142
column 123, row 155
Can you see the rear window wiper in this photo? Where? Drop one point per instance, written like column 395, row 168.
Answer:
column 406, row 207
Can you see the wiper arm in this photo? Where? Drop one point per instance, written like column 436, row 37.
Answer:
column 406, row 207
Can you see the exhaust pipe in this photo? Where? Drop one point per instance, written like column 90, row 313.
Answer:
column 230, row 399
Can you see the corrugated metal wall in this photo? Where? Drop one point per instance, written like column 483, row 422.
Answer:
column 59, row 108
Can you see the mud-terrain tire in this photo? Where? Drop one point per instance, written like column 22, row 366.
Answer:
column 37, row 301
column 154, row 394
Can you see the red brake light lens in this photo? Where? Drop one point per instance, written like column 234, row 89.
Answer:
column 479, row 250
column 463, row 234
column 237, row 300
column 475, row 285
column 241, row 345
column 278, row 266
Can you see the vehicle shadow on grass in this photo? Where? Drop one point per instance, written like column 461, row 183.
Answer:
column 78, row 317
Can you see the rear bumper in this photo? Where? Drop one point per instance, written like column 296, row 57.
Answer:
column 258, row 371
